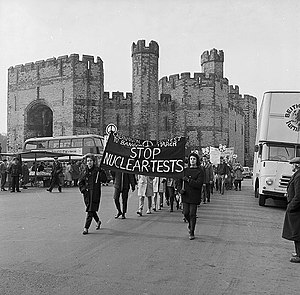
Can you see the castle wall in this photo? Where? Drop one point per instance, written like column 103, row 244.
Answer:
column 56, row 84
column 202, row 107
column 118, row 110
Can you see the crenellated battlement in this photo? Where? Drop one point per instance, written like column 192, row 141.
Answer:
column 199, row 78
column 140, row 47
column 251, row 99
column 212, row 55
column 234, row 89
column 72, row 58
column 117, row 96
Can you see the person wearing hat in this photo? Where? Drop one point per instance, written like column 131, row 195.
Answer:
column 291, row 225
column 3, row 173
column 56, row 175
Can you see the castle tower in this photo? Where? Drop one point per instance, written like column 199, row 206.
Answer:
column 145, row 90
column 212, row 62
column 59, row 96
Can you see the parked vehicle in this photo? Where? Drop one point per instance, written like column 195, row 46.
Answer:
column 247, row 172
column 277, row 142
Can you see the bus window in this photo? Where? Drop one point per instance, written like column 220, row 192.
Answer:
column 65, row 143
column 54, row 144
column 77, row 142
column 88, row 142
column 99, row 144
column 34, row 145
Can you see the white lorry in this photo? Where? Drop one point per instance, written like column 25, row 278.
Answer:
column 277, row 142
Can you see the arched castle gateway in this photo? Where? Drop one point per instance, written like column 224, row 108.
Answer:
column 65, row 95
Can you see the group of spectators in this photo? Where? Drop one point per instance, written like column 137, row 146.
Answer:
column 15, row 174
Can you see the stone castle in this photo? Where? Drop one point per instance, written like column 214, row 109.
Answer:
column 65, row 96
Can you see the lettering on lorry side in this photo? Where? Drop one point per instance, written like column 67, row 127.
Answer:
column 292, row 115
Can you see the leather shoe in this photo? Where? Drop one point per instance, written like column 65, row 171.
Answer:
column 139, row 213
column 192, row 237
column 98, row 225
column 123, row 216
column 85, row 231
column 295, row 259
column 118, row 215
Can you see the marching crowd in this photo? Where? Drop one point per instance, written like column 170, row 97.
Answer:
column 200, row 180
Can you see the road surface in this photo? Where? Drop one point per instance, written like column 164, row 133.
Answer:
column 238, row 247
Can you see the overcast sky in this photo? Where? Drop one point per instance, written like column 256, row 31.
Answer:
column 260, row 38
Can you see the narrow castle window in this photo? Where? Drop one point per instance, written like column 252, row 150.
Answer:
column 235, row 126
column 118, row 121
column 62, row 96
column 199, row 105
column 254, row 114
column 38, row 92
column 15, row 103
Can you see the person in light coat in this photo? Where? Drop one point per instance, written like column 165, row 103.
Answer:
column 291, row 225
column 159, row 191
column 145, row 189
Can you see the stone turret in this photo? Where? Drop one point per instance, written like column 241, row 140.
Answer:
column 212, row 62
column 145, row 89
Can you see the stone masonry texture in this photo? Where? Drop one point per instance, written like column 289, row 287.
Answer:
column 66, row 96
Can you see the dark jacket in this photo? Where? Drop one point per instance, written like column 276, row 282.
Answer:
column 223, row 169
column 15, row 169
column 124, row 182
column 90, row 186
column 291, row 226
column 192, row 188
column 208, row 173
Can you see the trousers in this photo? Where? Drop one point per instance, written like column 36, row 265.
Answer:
column 124, row 194
column 89, row 217
column 190, row 212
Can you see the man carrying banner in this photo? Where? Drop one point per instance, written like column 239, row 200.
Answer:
column 122, row 184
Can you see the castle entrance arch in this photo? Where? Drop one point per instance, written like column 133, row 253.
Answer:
column 38, row 121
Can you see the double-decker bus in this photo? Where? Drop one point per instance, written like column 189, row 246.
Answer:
column 74, row 144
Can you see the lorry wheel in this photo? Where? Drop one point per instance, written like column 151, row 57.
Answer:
column 261, row 200
column 256, row 192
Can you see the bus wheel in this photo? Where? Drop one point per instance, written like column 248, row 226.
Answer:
column 261, row 200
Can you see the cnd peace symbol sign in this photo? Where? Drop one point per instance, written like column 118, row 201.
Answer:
column 111, row 128
column 147, row 143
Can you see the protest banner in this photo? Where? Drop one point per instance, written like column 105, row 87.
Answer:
column 164, row 158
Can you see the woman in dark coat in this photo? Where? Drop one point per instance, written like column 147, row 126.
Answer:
column 90, row 187
column 191, row 191
column 291, row 226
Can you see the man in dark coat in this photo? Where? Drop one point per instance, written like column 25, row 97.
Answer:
column 122, row 184
column 90, row 187
column 56, row 175
column 291, row 226
column 15, row 170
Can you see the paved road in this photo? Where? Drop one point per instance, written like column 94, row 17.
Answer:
column 238, row 248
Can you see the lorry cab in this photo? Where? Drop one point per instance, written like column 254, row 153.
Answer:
column 277, row 142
